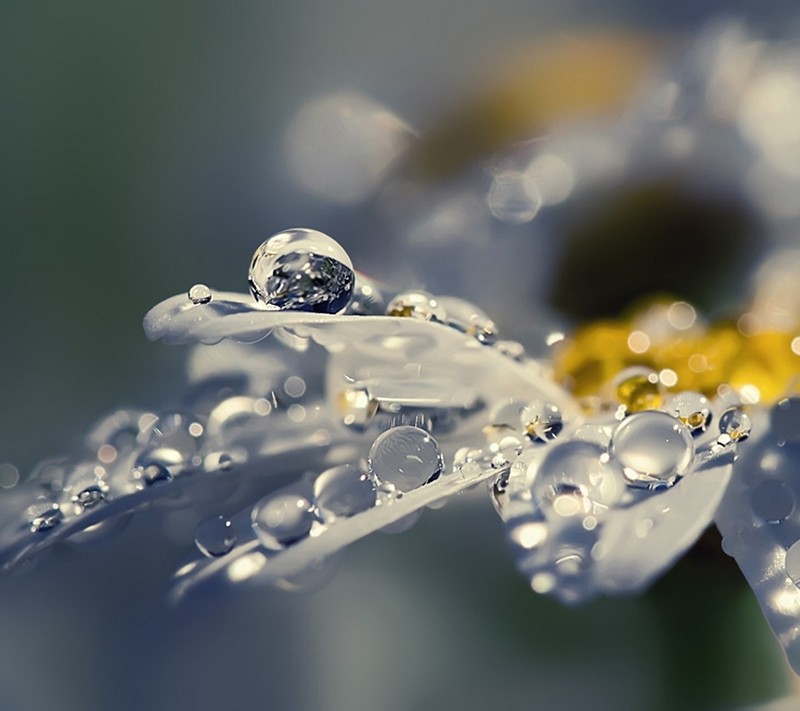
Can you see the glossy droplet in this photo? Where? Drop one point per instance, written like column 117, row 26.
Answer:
column 44, row 515
column 772, row 500
column 541, row 421
column 468, row 318
column 214, row 536
column 638, row 389
column 692, row 409
column 654, row 449
column 793, row 563
column 785, row 420
column 283, row 518
column 302, row 270
column 577, row 478
column 89, row 496
column 199, row 294
column 343, row 491
column 405, row 457
column 417, row 305
column 735, row 424
column 147, row 473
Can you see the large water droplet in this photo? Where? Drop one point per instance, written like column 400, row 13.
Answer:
column 692, row 409
column 283, row 518
column 772, row 500
column 785, row 420
column 417, row 305
column 654, row 449
column 343, row 491
column 302, row 270
column 577, row 478
column 406, row 457
column 199, row 294
column 214, row 536
column 541, row 421
column 43, row 515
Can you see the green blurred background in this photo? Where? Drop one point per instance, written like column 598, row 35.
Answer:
column 141, row 152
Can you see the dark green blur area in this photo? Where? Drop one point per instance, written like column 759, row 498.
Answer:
column 140, row 152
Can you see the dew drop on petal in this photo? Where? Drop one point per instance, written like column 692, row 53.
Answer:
column 43, row 515
column 199, row 294
column 638, row 389
column 302, row 270
column 343, row 491
column 577, row 478
column 405, row 457
column 282, row 518
column 418, row 305
column 214, row 536
column 148, row 473
column 772, row 500
column 654, row 449
column 541, row 421
column 692, row 409
column 735, row 424
column 89, row 496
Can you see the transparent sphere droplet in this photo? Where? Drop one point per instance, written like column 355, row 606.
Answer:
column 283, row 518
column 692, row 409
column 772, row 500
column 735, row 424
column 214, row 536
column 541, row 421
column 575, row 479
column 793, row 563
column 43, row 515
column 89, row 496
column 654, row 449
column 199, row 294
column 638, row 389
column 405, row 457
column 343, row 491
column 417, row 305
column 302, row 270
column 785, row 420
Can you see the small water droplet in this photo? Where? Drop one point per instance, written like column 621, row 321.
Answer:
column 302, row 270
column 468, row 318
column 283, row 518
column 785, row 420
column 654, row 449
column 214, row 536
column 772, row 500
column 692, row 409
column 736, row 424
column 343, row 491
column 406, row 457
column 148, row 473
column 638, row 389
column 541, row 421
column 793, row 563
column 89, row 496
column 417, row 305
column 43, row 515
column 199, row 294
column 577, row 478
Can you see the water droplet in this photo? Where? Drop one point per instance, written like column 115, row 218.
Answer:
column 736, row 424
column 367, row 299
column 541, row 421
column 283, row 518
column 654, row 449
column 417, row 305
column 793, row 563
column 302, row 270
column 89, row 496
column 406, row 457
column 214, row 536
column 692, row 409
column 785, row 420
column 577, row 478
column 199, row 294
column 43, row 515
column 147, row 473
column 343, row 491
column 638, row 389
column 772, row 500
column 468, row 318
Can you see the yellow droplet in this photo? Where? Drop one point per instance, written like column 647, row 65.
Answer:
column 639, row 390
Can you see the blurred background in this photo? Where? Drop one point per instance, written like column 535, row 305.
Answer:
column 148, row 146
